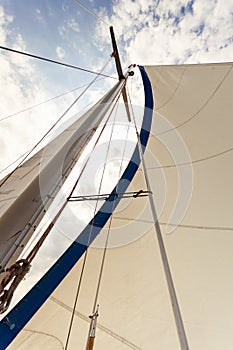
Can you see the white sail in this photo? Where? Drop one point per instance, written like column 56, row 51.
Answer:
column 189, row 150
column 27, row 193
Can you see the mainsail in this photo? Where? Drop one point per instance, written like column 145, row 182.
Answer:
column 189, row 149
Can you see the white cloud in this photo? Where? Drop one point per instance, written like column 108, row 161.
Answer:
column 71, row 23
column 39, row 17
column 4, row 21
column 68, row 25
column 162, row 32
column 62, row 31
column 60, row 52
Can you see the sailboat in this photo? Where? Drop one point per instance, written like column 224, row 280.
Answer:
column 152, row 268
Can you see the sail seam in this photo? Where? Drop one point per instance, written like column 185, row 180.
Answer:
column 99, row 325
column 212, row 156
column 201, row 108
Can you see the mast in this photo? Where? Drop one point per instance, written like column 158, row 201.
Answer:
column 121, row 76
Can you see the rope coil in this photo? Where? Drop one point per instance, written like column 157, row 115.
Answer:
column 13, row 276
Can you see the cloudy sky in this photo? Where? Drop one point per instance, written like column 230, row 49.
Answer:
column 148, row 32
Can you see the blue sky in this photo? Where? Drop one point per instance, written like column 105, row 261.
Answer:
column 148, row 32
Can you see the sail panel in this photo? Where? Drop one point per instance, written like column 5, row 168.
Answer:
column 195, row 145
column 190, row 146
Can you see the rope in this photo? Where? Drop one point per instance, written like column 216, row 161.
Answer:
column 13, row 276
column 53, row 126
column 91, row 12
column 55, row 62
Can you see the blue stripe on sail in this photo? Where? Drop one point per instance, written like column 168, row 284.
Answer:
column 28, row 306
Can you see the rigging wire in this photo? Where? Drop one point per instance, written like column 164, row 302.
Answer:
column 170, row 284
column 53, row 126
column 109, row 225
column 92, row 222
column 95, row 306
column 22, row 155
column 91, row 12
column 55, row 62
column 106, row 330
column 43, row 102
